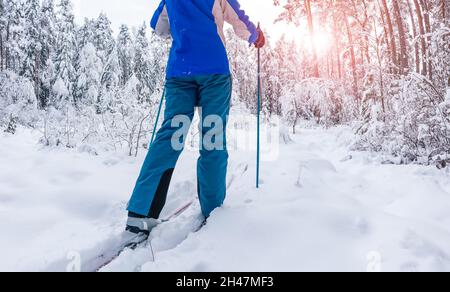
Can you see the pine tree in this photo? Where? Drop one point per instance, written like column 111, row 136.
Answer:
column 13, row 38
column 85, row 34
column 31, row 66
column 309, row 14
column 110, row 80
column 47, row 29
column 390, row 25
column 103, row 39
column 351, row 43
column 89, row 71
column 64, row 55
column 403, row 58
column 2, row 34
column 159, row 49
column 142, row 64
column 423, row 43
column 125, row 54
column 104, row 43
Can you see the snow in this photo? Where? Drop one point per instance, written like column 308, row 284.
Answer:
column 321, row 207
column 60, row 88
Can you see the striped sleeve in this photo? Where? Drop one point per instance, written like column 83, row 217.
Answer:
column 243, row 27
column 160, row 20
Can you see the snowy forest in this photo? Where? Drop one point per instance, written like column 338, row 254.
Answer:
column 386, row 73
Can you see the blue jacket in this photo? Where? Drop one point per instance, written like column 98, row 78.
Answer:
column 196, row 28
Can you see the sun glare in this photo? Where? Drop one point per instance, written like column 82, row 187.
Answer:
column 322, row 41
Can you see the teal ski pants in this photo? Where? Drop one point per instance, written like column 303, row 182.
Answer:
column 212, row 93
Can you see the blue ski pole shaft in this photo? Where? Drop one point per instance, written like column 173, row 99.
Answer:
column 258, row 147
column 157, row 117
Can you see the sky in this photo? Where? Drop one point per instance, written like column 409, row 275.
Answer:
column 136, row 12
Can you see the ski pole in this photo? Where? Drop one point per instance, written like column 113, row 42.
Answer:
column 258, row 149
column 157, row 116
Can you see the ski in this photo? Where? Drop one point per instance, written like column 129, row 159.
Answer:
column 135, row 242
column 178, row 212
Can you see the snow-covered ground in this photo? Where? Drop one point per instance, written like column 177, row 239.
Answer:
column 321, row 207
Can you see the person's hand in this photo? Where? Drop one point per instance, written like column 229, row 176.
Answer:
column 261, row 41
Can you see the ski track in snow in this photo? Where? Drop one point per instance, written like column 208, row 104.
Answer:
column 321, row 207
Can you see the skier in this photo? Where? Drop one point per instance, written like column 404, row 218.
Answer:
column 198, row 75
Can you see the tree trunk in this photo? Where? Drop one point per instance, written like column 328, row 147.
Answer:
column 361, row 53
column 313, row 43
column 336, row 45
column 392, row 35
column 386, row 34
column 37, row 81
column 403, row 60
column 329, row 68
column 422, row 37
column 380, row 69
column 426, row 13
column 416, row 43
column 443, row 10
column 1, row 51
column 352, row 56
column 366, row 37
column 364, row 42
column 7, row 61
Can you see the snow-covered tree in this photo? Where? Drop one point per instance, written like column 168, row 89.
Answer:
column 110, row 82
column 31, row 47
column 125, row 54
column 85, row 34
column 142, row 64
column 159, row 52
column 271, row 83
column 47, row 39
column 13, row 35
column 103, row 39
column 3, row 22
column 64, row 54
column 243, row 67
column 89, row 69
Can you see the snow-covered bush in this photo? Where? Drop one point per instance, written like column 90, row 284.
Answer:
column 130, row 121
column 440, row 47
column 59, row 126
column 17, row 102
column 126, row 124
column 416, row 125
column 314, row 99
